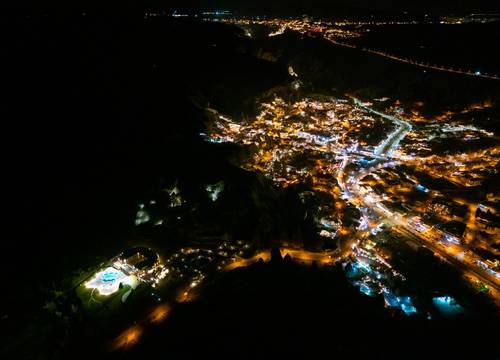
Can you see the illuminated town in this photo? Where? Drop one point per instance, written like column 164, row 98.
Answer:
column 331, row 145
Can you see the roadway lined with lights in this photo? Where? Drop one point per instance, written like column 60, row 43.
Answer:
column 475, row 74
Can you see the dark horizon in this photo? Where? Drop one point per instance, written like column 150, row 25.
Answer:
column 260, row 7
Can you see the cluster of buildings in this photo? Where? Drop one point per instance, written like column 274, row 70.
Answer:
column 338, row 30
column 308, row 138
column 371, row 272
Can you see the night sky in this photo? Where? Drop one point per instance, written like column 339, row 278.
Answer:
column 318, row 6
column 276, row 7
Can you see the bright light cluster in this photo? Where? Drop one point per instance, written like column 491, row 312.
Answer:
column 108, row 281
column 320, row 131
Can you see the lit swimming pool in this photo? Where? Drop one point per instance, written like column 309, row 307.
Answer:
column 110, row 275
column 108, row 281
